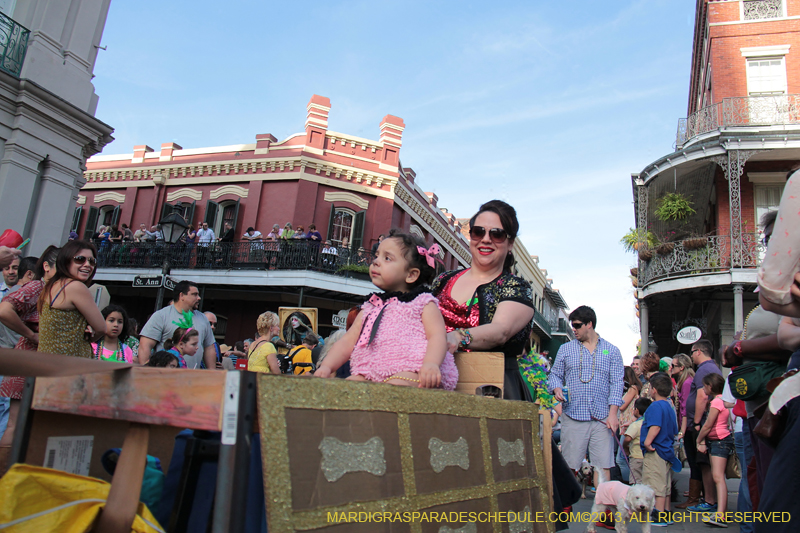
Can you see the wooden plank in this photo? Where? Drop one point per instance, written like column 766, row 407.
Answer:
column 170, row 397
column 123, row 496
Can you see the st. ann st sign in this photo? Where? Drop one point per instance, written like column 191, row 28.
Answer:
column 147, row 281
column 689, row 335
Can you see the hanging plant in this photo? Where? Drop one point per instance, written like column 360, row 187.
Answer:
column 674, row 206
column 645, row 254
column 632, row 241
column 666, row 248
column 695, row 243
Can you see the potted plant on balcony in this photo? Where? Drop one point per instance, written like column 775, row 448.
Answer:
column 674, row 206
column 695, row 243
column 643, row 245
column 354, row 271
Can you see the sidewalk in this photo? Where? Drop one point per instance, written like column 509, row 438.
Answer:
column 688, row 526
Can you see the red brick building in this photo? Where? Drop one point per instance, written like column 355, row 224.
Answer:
column 733, row 154
column 349, row 187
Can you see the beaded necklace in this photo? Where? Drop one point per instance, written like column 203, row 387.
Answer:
column 744, row 330
column 580, row 364
column 99, row 354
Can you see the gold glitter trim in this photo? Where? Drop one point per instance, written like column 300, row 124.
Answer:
column 277, row 393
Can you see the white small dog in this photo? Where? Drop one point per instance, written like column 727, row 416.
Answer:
column 585, row 476
column 623, row 501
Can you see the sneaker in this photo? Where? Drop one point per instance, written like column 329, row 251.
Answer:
column 608, row 522
column 716, row 520
column 703, row 507
column 660, row 519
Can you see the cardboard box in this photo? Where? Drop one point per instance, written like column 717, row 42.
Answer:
column 479, row 368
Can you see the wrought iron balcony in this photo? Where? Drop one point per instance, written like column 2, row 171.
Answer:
column 700, row 256
column 540, row 321
column 13, row 45
column 270, row 255
column 740, row 111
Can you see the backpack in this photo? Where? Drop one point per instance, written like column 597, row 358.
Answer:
column 287, row 364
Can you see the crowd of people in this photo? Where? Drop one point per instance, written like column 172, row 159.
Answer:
column 640, row 423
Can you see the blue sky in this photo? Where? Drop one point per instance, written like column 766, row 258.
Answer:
column 547, row 105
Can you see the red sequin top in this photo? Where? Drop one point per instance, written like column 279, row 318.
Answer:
column 454, row 313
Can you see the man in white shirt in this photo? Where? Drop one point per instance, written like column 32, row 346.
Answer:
column 205, row 235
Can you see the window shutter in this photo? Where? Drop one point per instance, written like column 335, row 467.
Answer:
column 330, row 222
column 76, row 219
column 212, row 208
column 235, row 216
column 190, row 213
column 115, row 216
column 357, row 236
column 91, row 223
column 166, row 209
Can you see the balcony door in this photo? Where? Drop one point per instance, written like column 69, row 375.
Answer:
column 767, row 88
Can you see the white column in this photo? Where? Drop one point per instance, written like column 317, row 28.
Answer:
column 738, row 308
column 644, row 326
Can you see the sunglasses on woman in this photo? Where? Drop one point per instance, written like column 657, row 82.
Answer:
column 497, row 235
column 81, row 260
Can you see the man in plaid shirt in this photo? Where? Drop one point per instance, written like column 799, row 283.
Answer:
column 591, row 370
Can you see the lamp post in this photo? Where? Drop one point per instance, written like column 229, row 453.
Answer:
column 173, row 227
column 651, row 343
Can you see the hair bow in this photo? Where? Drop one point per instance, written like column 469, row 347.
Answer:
column 431, row 254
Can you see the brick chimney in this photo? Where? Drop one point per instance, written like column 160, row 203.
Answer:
column 392, row 139
column 317, row 122
column 167, row 149
column 139, row 152
column 410, row 174
column 432, row 198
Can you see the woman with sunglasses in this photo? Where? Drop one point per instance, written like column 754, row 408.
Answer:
column 69, row 320
column 487, row 308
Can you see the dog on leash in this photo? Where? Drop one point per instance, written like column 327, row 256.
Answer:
column 585, row 476
column 623, row 501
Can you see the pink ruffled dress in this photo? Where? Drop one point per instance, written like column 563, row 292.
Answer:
column 398, row 342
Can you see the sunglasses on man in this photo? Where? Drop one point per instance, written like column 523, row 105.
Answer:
column 497, row 235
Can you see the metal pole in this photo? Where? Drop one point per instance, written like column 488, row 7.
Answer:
column 160, row 296
column 644, row 326
column 300, row 300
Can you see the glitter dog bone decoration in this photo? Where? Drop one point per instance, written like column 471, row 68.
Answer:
column 510, row 452
column 444, row 454
column 340, row 458
column 469, row 528
column 521, row 526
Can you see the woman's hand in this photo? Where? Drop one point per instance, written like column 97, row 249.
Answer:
column 322, row 372
column 702, row 447
column 88, row 333
column 454, row 338
column 7, row 255
column 430, row 376
column 33, row 337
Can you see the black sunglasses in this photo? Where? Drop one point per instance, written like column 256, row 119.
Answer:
column 497, row 235
column 80, row 260
column 577, row 325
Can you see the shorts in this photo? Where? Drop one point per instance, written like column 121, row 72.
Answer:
column 722, row 447
column 636, row 467
column 658, row 474
column 593, row 436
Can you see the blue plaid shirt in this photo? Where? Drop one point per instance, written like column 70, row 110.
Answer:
column 588, row 401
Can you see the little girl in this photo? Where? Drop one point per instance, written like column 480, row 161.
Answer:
column 399, row 336
column 184, row 342
column 112, row 346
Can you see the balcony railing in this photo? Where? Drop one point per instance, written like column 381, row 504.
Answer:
column 270, row 255
column 542, row 322
column 740, row 111
column 13, row 45
column 689, row 257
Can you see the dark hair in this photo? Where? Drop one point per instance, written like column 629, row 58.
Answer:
column 585, row 314
column 637, row 356
column 107, row 310
column 705, row 346
column 649, row 362
column 133, row 326
column 641, row 405
column 508, row 219
column 631, row 379
column 661, row 383
column 768, row 219
column 238, row 346
column 311, row 339
column 63, row 262
column 716, row 382
column 27, row 264
column 182, row 287
column 409, row 244
column 251, row 228
column 49, row 256
column 312, row 226
column 162, row 358
column 180, row 335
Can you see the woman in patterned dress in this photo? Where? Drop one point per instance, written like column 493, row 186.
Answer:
column 68, row 317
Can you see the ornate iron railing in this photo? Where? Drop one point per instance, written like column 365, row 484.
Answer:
column 542, row 322
column 740, row 111
column 13, row 45
column 270, row 255
column 687, row 258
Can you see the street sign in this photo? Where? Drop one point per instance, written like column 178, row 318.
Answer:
column 169, row 283
column 147, row 281
column 689, row 335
